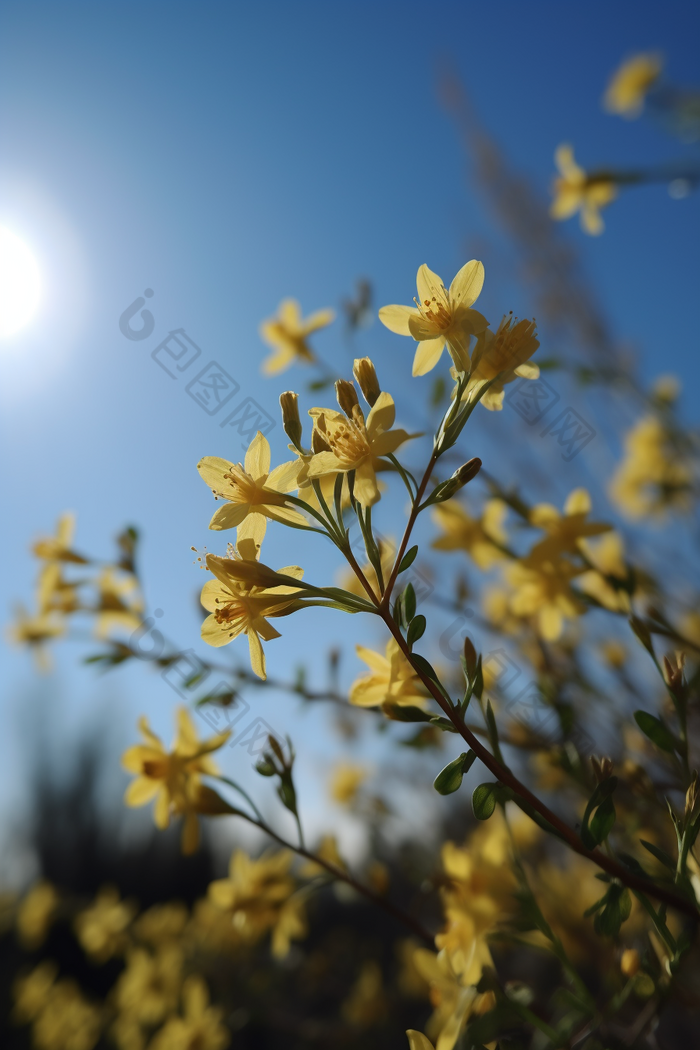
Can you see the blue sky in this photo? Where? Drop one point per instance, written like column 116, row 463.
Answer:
column 226, row 155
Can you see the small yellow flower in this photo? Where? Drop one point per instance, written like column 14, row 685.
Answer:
column 287, row 335
column 391, row 680
column 480, row 538
column 54, row 593
column 149, row 985
column 252, row 492
column 256, row 895
column 240, row 604
column 35, row 632
column 366, row 1003
column 31, row 993
column 565, row 532
column 630, row 84
column 440, row 317
column 119, row 603
column 200, row 1027
column 67, row 1020
column 35, row 915
column 607, row 555
column 652, row 477
column 173, row 778
column 357, row 445
column 58, row 547
column 346, row 781
column 327, row 850
column 575, row 191
column 505, row 351
column 163, row 923
column 543, row 590
column 101, row 928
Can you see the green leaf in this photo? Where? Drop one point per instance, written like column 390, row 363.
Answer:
column 656, row 730
column 408, row 559
column 409, row 602
column 484, row 800
column 660, row 855
column 422, row 664
column 416, row 629
column 443, row 723
column 406, row 713
column 287, row 794
column 318, row 384
column 618, row 905
column 602, row 823
column 449, row 779
column 602, row 791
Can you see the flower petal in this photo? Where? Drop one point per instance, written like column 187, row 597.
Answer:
column 228, row 516
column 257, row 656
column 141, row 791
column 284, row 477
column 428, row 354
column 467, row 284
column 366, row 490
column 212, row 469
column 396, row 318
column 578, row 502
column 317, row 320
column 429, row 285
column 382, row 415
column 257, row 458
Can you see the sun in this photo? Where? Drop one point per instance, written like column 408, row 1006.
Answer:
column 20, row 283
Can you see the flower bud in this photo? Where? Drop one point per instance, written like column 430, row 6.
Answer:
column 289, row 403
column 347, row 397
column 366, row 376
column 468, row 471
column 630, row 962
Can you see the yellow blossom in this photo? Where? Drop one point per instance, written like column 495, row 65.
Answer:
column 440, row 317
column 355, row 444
column 565, row 532
column 55, row 593
column 287, row 335
column 200, row 1027
column 392, row 680
column 630, row 84
column 252, row 492
column 35, row 915
column 453, row 1001
column 607, row 555
column 148, row 988
column 58, row 547
column 255, row 895
column 574, row 191
column 480, row 538
column 242, row 605
column 101, row 928
column 32, row 991
column 652, row 476
column 174, row 778
column 543, row 590
column 162, row 923
column 119, row 603
column 68, row 1021
column 505, row 352
column 346, row 781
column 366, row 1004
column 418, row 1041
column 35, row 632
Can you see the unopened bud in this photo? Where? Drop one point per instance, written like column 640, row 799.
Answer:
column 630, row 963
column 470, row 657
column 673, row 675
column 366, row 376
column 347, row 397
column 468, row 471
column 602, row 768
column 289, row 403
column 691, row 797
column 453, row 484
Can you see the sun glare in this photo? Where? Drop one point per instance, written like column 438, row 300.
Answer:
column 19, row 283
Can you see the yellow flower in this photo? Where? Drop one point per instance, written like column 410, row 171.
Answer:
column 453, row 1000
column 162, row 923
column 607, row 555
column 367, row 1002
column 239, row 604
column 31, row 992
column 58, row 547
column 392, row 680
column 575, row 191
column 479, row 538
column 201, row 1026
column 630, row 84
column 651, row 477
column 67, row 1020
column 101, row 928
column 255, row 895
column 173, row 778
column 357, row 445
column 35, row 632
column 54, row 593
column 440, row 317
column 35, row 915
column 418, row 1041
column 346, row 781
column 287, row 333
column 505, row 351
column 119, row 603
column 252, row 493
column 543, row 590
column 148, row 988
column 566, row 532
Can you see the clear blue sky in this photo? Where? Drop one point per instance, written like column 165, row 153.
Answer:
column 226, row 155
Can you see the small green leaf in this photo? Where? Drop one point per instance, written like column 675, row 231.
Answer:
column 443, row 723
column 409, row 602
column 422, row 664
column 405, row 713
column 602, row 823
column 602, row 791
column 449, row 779
column 287, row 794
column 660, row 855
column 618, row 905
column 656, row 730
column 408, row 559
column 416, row 629
column 484, row 800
